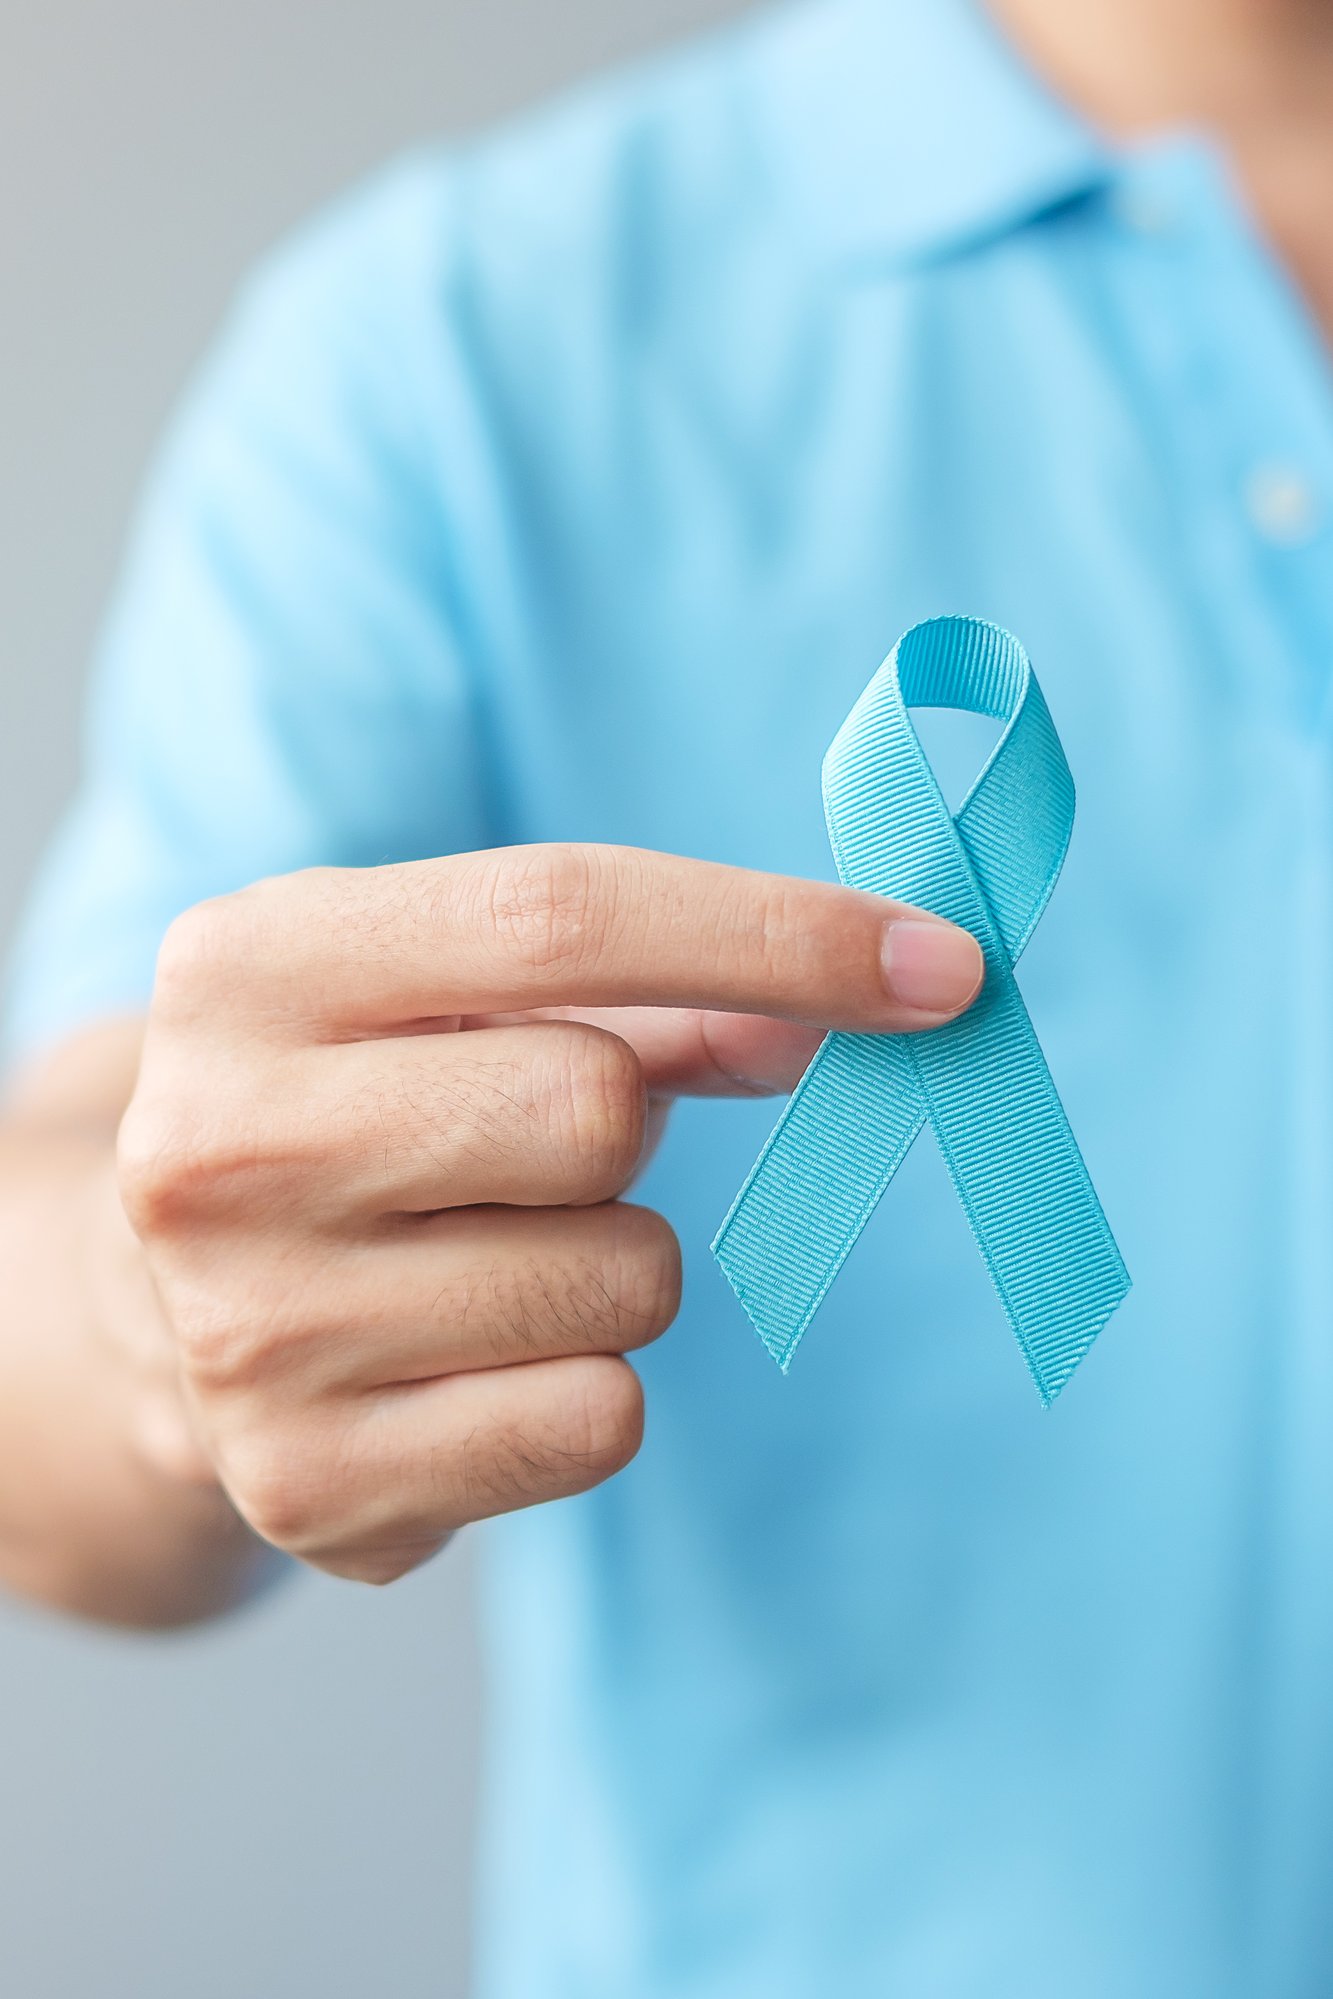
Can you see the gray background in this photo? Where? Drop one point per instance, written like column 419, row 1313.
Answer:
column 281, row 1806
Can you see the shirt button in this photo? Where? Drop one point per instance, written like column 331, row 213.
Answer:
column 1282, row 504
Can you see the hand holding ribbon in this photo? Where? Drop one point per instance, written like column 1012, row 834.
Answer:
column 980, row 1081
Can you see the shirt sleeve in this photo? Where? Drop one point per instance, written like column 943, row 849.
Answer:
column 281, row 680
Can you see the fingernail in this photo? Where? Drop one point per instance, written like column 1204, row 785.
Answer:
column 931, row 967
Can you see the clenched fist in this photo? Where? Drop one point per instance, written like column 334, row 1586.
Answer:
column 382, row 1126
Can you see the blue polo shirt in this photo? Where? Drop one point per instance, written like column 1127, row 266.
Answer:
column 569, row 485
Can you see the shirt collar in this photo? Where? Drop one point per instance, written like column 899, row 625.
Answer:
column 911, row 128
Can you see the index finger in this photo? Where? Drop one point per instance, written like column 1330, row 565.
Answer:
column 380, row 949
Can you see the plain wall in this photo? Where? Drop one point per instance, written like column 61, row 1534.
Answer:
column 280, row 1806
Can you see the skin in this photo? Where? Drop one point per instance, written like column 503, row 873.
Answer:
column 357, row 1269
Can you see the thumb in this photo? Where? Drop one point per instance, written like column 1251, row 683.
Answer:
column 687, row 1052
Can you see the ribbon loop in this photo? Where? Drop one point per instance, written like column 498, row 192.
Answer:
column 980, row 1081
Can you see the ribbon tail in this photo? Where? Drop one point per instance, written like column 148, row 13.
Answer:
column 845, row 1131
column 1020, row 1176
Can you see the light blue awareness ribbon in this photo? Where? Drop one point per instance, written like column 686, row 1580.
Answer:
column 982, row 1080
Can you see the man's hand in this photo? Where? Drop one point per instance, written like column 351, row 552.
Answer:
column 376, row 1149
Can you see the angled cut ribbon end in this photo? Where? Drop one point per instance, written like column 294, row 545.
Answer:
column 779, row 1330
column 1052, row 1375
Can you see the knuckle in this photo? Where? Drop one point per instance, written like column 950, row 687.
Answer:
column 159, row 1166
column 221, row 1346
column 216, row 948
column 647, row 1279
column 611, row 1298
column 197, row 944
column 547, row 906
column 277, row 1488
column 590, row 1429
column 500, row 1470
column 794, row 950
column 607, row 1105
column 203, row 1138
column 600, row 1424
column 528, row 1310
column 176, row 1159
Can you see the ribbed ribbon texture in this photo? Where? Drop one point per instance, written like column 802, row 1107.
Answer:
column 981, row 1081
